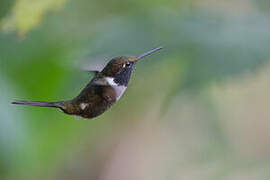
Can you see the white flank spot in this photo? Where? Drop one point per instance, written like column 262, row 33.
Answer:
column 83, row 105
column 110, row 81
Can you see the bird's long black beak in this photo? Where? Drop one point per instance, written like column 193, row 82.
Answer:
column 148, row 53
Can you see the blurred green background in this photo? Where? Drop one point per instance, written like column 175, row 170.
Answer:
column 199, row 109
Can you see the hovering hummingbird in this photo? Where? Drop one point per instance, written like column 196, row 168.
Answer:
column 106, row 88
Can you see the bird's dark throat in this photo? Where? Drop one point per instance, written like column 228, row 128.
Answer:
column 122, row 78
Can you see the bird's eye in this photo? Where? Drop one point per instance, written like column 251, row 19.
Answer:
column 127, row 64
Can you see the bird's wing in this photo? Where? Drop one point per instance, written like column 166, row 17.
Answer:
column 99, row 82
column 95, row 72
column 94, row 65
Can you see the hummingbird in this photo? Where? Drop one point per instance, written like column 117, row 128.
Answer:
column 105, row 89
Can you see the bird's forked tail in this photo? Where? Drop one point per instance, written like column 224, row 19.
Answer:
column 40, row 103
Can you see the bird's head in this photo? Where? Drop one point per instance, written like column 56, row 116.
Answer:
column 120, row 68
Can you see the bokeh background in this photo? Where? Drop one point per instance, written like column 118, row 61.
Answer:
column 199, row 109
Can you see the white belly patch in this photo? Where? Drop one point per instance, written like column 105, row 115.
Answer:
column 119, row 91
column 110, row 81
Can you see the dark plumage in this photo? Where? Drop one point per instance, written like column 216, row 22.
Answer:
column 101, row 92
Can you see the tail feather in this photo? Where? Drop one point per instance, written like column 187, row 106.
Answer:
column 39, row 103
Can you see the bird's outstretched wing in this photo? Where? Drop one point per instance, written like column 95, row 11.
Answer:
column 94, row 72
column 94, row 65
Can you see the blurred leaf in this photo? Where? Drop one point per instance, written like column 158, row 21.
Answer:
column 27, row 14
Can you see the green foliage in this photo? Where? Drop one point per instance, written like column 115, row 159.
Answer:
column 27, row 14
column 201, row 48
